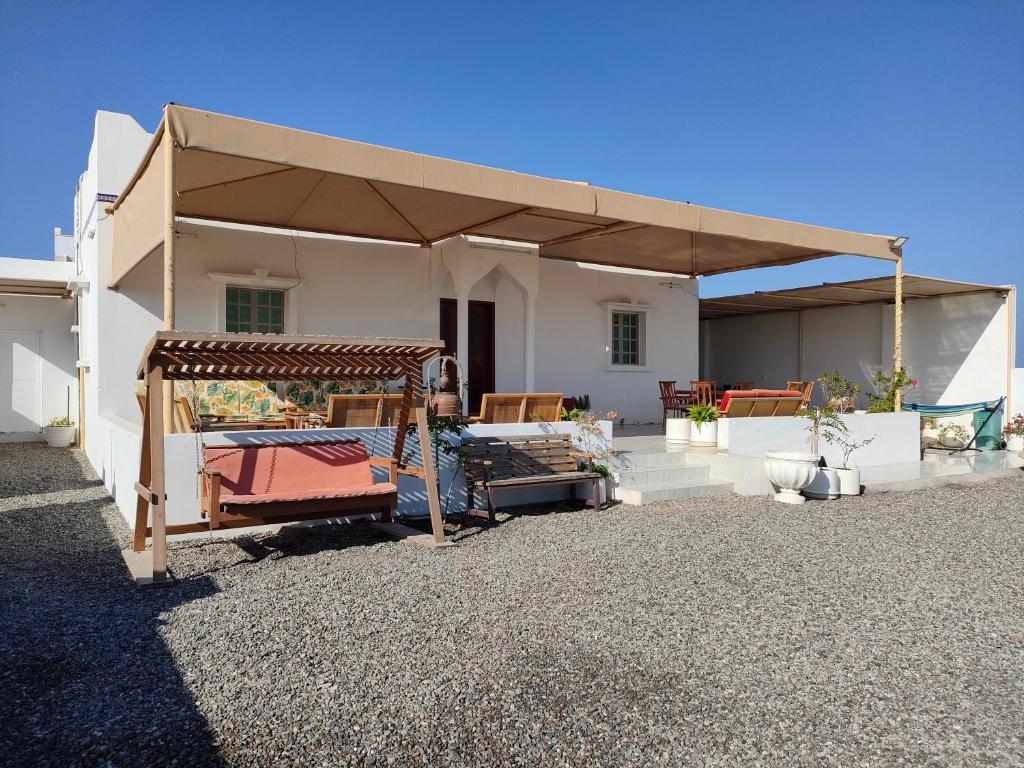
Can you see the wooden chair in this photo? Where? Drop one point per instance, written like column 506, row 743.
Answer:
column 671, row 401
column 519, row 408
column 184, row 419
column 372, row 410
column 521, row 461
column 704, row 392
column 806, row 388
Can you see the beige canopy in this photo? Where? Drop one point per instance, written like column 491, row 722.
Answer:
column 242, row 171
column 874, row 290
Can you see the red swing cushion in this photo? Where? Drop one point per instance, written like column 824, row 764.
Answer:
column 255, row 474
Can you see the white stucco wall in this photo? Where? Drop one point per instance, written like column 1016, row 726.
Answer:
column 955, row 346
column 41, row 329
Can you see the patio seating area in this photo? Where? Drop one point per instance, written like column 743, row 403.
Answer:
column 877, row 630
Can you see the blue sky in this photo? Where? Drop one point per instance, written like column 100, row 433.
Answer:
column 899, row 118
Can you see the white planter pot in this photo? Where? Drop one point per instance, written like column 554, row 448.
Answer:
column 952, row 442
column 677, row 431
column 59, row 437
column 585, row 491
column 849, row 482
column 704, row 435
column 825, row 485
column 790, row 473
column 1015, row 443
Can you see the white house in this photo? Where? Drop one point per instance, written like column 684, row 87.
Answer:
column 557, row 287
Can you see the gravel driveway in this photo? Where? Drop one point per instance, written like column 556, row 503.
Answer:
column 885, row 630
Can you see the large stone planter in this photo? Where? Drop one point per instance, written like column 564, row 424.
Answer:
column 677, row 431
column 790, row 473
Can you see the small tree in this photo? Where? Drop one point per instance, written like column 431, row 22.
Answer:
column 840, row 392
column 823, row 422
column 847, row 444
column 886, row 387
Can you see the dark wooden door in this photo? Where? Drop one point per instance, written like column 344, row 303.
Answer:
column 480, row 368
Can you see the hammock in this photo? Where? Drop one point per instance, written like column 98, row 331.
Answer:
column 954, row 410
column 992, row 406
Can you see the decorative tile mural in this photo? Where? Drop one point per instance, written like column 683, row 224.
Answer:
column 260, row 398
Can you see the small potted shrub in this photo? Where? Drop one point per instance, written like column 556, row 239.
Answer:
column 1013, row 433
column 60, row 432
column 704, row 429
column 954, row 435
column 849, row 477
column 929, row 431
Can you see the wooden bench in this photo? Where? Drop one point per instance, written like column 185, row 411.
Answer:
column 247, row 485
column 738, row 403
column 519, row 407
column 522, row 461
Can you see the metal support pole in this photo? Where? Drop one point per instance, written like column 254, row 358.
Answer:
column 897, row 353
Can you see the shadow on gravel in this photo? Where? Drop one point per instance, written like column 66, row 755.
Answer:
column 85, row 675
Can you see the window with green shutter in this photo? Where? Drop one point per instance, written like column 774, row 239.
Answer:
column 252, row 310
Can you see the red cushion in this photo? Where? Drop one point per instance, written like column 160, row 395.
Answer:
column 749, row 393
column 377, row 489
column 259, row 470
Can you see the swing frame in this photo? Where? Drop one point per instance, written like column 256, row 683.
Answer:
column 188, row 356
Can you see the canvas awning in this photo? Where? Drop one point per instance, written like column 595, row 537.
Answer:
column 243, row 171
column 873, row 290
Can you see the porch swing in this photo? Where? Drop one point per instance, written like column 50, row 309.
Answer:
column 279, row 477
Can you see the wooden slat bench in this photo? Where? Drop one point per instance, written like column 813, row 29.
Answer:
column 522, row 461
column 519, row 408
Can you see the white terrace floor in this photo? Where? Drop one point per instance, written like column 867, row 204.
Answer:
column 648, row 469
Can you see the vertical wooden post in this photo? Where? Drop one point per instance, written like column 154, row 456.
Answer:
column 155, row 406
column 897, row 354
column 412, row 379
column 145, row 478
column 170, row 189
column 430, row 475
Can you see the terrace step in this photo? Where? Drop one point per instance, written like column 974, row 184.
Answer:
column 642, row 477
column 630, row 460
column 664, row 491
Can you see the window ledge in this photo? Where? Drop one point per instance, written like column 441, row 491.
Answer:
column 627, row 368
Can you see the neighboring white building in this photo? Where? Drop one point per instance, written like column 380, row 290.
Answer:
column 38, row 376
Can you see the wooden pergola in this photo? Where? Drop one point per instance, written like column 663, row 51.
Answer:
column 184, row 356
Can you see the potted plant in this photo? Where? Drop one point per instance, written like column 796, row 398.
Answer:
column 886, row 387
column 840, row 392
column 822, row 422
column 60, row 432
column 1013, row 432
column 929, row 431
column 704, row 425
column 590, row 439
column 954, row 435
column 849, row 477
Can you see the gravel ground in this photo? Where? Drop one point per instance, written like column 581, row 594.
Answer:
column 885, row 630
